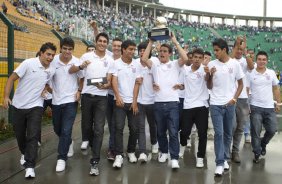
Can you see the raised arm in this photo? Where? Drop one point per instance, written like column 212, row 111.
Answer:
column 182, row 53
column 145, row 57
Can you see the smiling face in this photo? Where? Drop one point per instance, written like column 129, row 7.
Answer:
column 261, row 61
column 129, row 52
column 47, row 57
column 66, row 52
column 101, row 44
column 239, row 52
column 116, row 48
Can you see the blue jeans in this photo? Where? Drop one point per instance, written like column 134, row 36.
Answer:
column 222, row 119
column 167, row 118
column 265, row 117
column 63, row 119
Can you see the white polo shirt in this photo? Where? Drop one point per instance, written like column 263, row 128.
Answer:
column 244, row 65
column 98, row 67
column 181, row 93
column 224, row 81
column 33, row 78
column 126, row 75
column 110, row 91
column 196, row 91
column 64, row 84
column 146, row 92
column 261, row 87
column 166, row 75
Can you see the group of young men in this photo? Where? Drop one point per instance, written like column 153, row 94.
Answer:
column 115, row 86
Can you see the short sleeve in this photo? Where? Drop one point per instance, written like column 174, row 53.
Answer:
column 275, row 81
column 22, row 69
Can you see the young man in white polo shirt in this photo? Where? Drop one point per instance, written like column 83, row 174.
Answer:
column 125, row 88
column 116, row 54
column 65, row 100
column 222, row 75
column 195, row 107
column 27, row 104
column 95, row 65
column 264, row 85
column 166, row 75
column 242, row 106
column 146, row 103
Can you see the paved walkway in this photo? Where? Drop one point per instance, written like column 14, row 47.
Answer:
column 268, row 171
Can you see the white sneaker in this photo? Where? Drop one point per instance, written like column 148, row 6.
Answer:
column 70, row 153
column 143, row 158
column 22, row 160
column 226, row 166
column 162, row 157
column 174, row 164
column 29, row 173
column 200, row 162
column 189, row 145
column 84, row 145
column 132, row 158
column 155, row 148
column 181, row 151
column 39, row 143
column 61, row 165
column 218, row 171
column 118, row 161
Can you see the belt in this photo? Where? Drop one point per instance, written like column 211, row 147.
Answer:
column 92, row 96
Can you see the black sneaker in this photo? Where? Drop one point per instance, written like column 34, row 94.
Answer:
column 263, row 150
column 256, row 159
column 94, row 170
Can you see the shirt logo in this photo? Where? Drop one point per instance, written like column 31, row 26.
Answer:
column 198, row 75
column 169, row 65
column 230, row 70
column 133, row 70
column 267, row 77
column 105, row 64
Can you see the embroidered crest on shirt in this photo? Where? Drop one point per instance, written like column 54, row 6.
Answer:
column 230, row 70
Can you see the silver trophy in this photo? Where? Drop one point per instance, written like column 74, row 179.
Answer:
column 160, row 31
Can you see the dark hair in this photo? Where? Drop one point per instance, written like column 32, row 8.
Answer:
column 37, row 54
column 90, row 46
column 46, row 46
column 126, row 44
column 261, row 53
column 103, row 35
column 167, row 46
column 198, row 51
column 207, row 53
column 143, row 45
column 117, row 39
column 222, row 44
column 67, row 41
